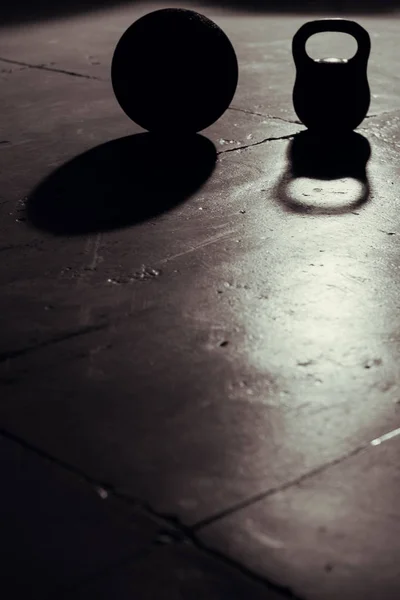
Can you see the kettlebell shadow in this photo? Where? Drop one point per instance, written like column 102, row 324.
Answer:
column 121, row 183
column 316, row 180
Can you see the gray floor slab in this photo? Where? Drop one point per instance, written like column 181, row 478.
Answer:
column 57, row 530
column 309, row 370
column 332, row 536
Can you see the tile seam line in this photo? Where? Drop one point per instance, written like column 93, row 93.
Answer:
column 12, row 354
column 102, row 325
column 51, row 69
column 200, row 525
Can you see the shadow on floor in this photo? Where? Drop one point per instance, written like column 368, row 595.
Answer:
column 326, row 160
column 120, row 183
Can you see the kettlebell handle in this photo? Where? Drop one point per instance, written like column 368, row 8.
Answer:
column 300, row 56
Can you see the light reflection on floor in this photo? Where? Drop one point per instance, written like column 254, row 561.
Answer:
column 332, row 194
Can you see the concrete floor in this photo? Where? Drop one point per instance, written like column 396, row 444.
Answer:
column 199, row 345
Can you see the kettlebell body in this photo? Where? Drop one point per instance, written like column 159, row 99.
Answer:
column 331, row 94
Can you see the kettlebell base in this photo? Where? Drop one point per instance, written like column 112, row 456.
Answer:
column 324, row 114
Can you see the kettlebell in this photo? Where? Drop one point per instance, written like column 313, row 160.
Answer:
column 331, row 94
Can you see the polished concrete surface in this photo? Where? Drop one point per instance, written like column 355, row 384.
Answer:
column 199, row 341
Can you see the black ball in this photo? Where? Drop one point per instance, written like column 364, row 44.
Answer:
column 174, row 70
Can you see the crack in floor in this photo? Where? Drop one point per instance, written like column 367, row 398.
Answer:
column 5, row 356
column 67, row 335
column 385, row 112
column 43, row 67
column 289, row 136
column 265, row 116
column 297, row 122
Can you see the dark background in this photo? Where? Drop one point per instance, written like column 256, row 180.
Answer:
column 30, row 10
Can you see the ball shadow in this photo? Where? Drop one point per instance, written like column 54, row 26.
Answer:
column 325, row 158
column 120, row 183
